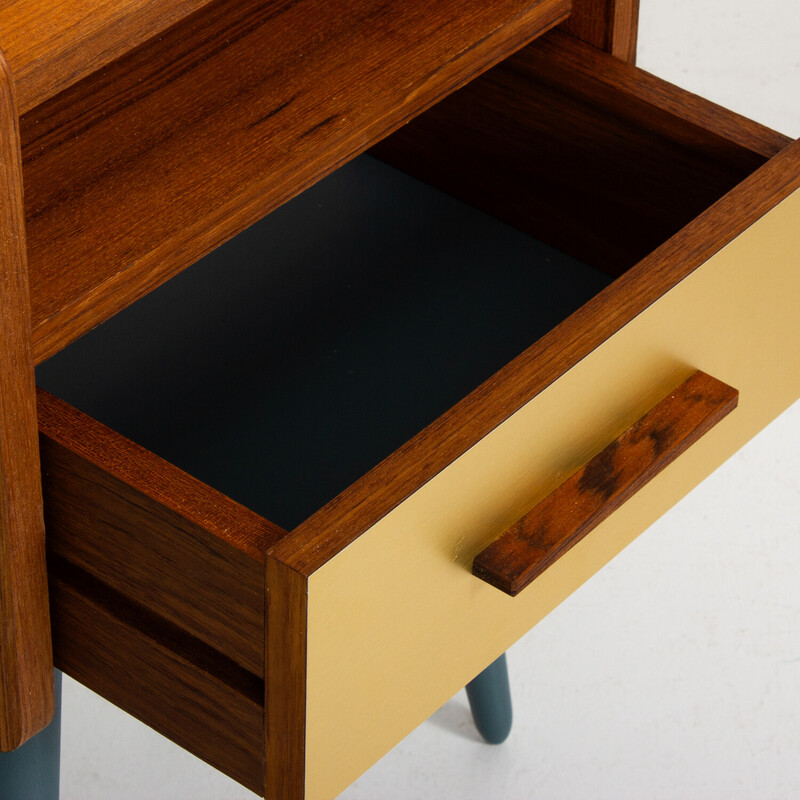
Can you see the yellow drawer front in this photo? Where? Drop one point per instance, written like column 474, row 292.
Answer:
column 397, row 623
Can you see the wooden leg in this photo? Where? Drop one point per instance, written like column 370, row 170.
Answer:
column 490, row 701
column 31, row 772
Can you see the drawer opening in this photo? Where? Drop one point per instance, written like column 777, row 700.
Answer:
column 293, row 359
column 289, row 362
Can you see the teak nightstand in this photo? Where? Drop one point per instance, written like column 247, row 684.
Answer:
column 303, row 492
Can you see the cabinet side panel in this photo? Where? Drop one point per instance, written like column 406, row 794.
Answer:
column 26, row 662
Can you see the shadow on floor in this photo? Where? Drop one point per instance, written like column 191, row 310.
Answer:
column 455, row 717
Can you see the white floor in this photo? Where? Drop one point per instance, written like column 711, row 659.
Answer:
column 674, row 673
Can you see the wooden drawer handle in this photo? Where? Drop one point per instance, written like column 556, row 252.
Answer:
column 602, row 485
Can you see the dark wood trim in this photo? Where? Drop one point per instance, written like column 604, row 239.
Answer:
column 591, row 494
column 611, row 25
column 148, row 164
column 26, row 661
column 586, row 152
column 150, row 531
column 340, row 522
column 146, row 667
column 285, row 682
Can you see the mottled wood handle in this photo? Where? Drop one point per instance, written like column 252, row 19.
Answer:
column 615, row 474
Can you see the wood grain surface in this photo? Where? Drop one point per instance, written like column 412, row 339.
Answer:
column 50, row 46
column 153, row 533
column 601, row 486
column 26, row 664
column 611, row 25
column 155, row 672
column 157, row 574
column 346, row 517
column 285, row 682
column 583, row 151
column 137, row 171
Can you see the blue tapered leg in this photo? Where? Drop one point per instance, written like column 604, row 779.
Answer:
column 31, row 772
column 490, row 701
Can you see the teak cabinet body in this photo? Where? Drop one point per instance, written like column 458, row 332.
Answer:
column 294, row 659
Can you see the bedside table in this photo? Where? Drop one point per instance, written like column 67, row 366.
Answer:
column 65, row 477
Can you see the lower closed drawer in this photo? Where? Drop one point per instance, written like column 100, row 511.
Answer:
column 321, row 386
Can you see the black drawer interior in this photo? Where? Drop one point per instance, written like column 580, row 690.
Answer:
column 290, row 361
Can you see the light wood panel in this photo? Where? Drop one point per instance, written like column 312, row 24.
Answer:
column 137, row 171
column 26, row 664
column 398, row 614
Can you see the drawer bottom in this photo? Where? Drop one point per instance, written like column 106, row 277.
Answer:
column 283, row 367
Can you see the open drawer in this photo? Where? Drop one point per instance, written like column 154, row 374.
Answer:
column 493, row 365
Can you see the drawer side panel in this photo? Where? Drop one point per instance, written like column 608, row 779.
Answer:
column 98, row 640
column 184, row 551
